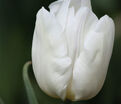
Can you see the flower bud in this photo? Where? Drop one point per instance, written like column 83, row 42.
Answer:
column 71, row 49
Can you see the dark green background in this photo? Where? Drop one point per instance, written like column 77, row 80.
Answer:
column 17, row 19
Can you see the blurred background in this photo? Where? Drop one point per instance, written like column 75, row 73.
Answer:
column 17, row 20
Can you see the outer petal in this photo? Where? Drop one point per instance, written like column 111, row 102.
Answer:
column 86, row 19
column 49, row 56
column 70, row 33
column 91, row 67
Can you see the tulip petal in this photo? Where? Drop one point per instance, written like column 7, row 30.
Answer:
column 54, row 7
column 50, row 30
column 70, row 33
column 106, row 26
column 71, row 49
column 86, row 20
column 51, row 63
column 80, row 3
column 91, row 66
column 63, row 13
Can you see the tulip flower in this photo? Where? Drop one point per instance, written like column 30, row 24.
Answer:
column 71, row 49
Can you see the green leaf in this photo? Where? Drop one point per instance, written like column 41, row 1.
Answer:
column 29, row 88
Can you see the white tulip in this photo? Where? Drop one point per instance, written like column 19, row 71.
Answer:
column 71, row 49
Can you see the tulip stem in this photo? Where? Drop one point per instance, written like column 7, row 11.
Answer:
column 29, row 88
column 67, row 102
column 1, row 101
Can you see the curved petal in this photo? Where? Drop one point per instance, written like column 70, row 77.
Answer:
column 70, row 33
column 91, row 67
column 86, row 20
column 54, row 7
column 80, row 3
column 106, row 26
column 49, row 56
column 63, row 13
column 61, row 8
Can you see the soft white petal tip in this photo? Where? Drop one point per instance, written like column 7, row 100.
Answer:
column 41, row 12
